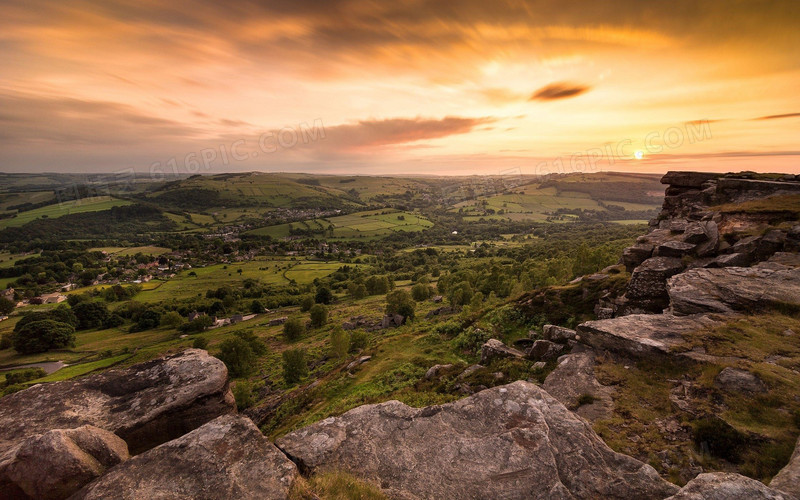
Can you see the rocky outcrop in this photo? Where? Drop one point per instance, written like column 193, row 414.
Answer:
column 494, row 349
column 788, row 479
column 58, row 463
column 726, row 486
column 146, row 404
column 732, row 289
column 692, row 233
column 225, row 458
column 642, row 335
column 511, row 442
column 573, row 379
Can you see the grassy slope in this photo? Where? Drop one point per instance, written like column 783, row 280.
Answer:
column 368, row 224
column 95, row 204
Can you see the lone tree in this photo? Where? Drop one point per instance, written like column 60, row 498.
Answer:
column 319, row 315
column 238, row 356
column 323, row 296
column 400, row 302
column 6, row 306
column 41, row 336
column 294, row 365
column 340, row 342
column 293, row 329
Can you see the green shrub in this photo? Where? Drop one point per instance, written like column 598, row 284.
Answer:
column 306, row 303
column 243, row 393
column 420, row 292
column 340, row 342
column 449, row 328
column 471, row 340
column 319, row 315
column 585, row 399
column 6, row 340
column 200, row 343
column 323, row 296
column 358, row 340
column 294, row 365
column 400, row 302
column 172, row 319
column 24, row 376
column 293, row 329
column 238, row 356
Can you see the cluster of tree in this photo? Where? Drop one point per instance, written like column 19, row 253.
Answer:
column 118, row 222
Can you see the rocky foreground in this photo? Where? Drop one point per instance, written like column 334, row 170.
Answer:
column 168, row 428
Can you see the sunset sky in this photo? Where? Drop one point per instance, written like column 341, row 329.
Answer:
column 399, row 87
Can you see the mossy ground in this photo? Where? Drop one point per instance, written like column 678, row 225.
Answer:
column 765, row 425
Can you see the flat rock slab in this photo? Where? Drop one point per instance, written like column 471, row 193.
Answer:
column 225, row 458
column 731, row 289
column 642, row 335
column 146, row 404
column 727, row 486
column 574, row 377
column 511, row 442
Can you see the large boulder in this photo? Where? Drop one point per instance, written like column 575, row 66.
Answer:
column 544, row 350
column 510, row 442
column 146, row 404
column 494, row 349
column 730, row 289
column 739, row 381
column 788, row 479
column 726, row 486
column 574, row 378
column 58, row 463
column 556, row 333
column 225, row 458
column 642, row 335
column 647, row 289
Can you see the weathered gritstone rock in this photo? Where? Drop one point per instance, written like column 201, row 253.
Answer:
column 555, row 333
column 146, row 404
column 788, row 479
column 647, row 289
column 544, row 350
column 726, row 486
column 642, row 335
column 688, row 179
column 494, row 349
column 574, row 377
column 58, row 463
column 225, row 458
column 741, row 381
column 510, row 442
column 730, row 289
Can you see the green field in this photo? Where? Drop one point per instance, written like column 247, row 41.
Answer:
column 369, row 224
column 527, row 203
column 95, row 204
column 127, row 251
column 276, row 271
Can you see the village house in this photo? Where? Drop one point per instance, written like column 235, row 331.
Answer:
column 49, row 298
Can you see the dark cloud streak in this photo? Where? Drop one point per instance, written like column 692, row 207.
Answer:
column 560, row 90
